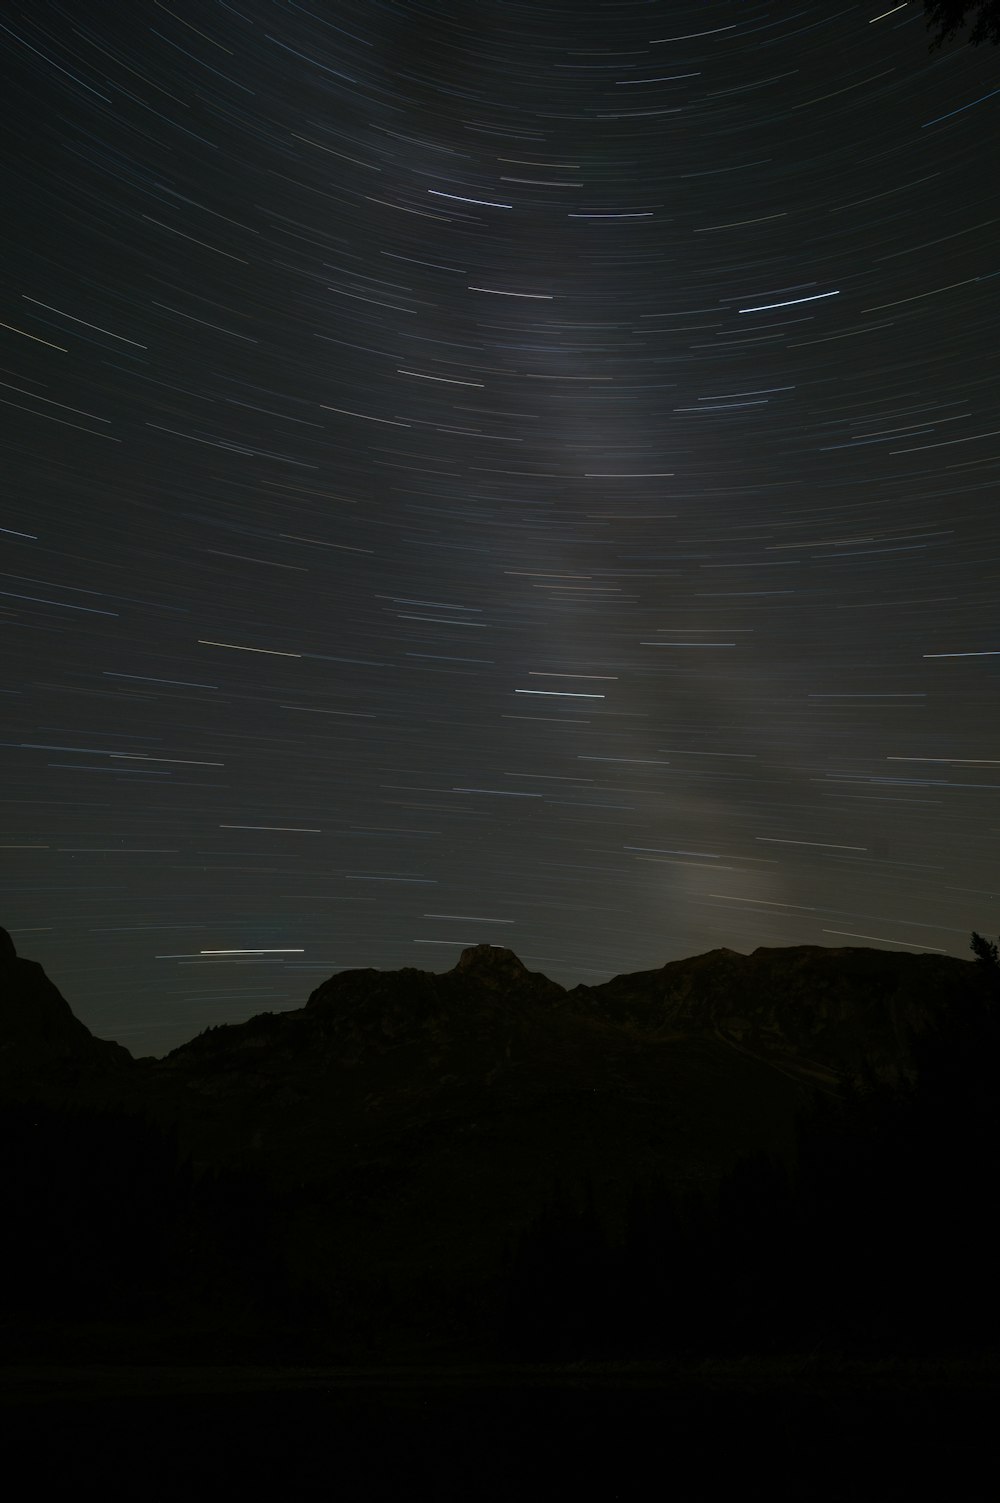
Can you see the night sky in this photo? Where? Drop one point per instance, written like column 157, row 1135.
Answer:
column 491, row 472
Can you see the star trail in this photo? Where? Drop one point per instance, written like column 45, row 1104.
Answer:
column 494, row 471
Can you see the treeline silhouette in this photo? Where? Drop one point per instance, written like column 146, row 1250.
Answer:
column 950, row 18
column 107, row 1226
column 877, row 1239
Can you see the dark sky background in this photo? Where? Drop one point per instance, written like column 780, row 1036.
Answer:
column 491, row 472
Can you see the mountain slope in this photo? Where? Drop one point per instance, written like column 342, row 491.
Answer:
column 40, row 1038
column 420, row 1120
column 822, row 1013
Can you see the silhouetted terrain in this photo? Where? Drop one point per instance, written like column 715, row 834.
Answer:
column 783, row 1153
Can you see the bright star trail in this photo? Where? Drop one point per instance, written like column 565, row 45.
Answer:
column 363, row 364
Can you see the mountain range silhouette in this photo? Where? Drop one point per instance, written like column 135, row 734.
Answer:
column 365, row 1165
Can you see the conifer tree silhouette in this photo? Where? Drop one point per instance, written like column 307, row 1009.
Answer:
column 985, row 951
column 947, row 17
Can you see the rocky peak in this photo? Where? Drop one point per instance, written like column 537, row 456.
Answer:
column 499, row 969
column 38, row 1032
column 493, row 959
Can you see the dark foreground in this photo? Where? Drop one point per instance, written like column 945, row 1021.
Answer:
column 865, row 1431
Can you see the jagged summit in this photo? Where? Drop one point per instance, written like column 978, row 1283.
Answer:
column 39, row 1033
column 484, row 972
column 492, row 959
column 487, row 954
column 496, row 967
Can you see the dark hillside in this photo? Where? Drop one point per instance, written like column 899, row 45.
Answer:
column 483, row 1161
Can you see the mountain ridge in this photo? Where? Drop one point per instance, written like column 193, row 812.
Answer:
column 411, row 1126
column 850, row 1007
